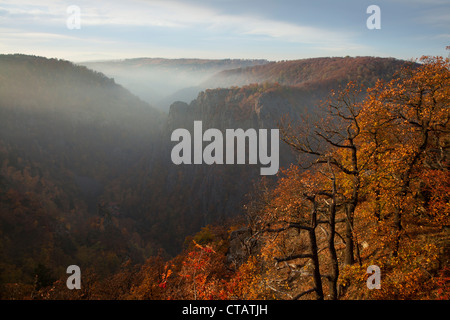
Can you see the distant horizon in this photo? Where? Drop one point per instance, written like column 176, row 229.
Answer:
column 245, row 59
column 212, row 59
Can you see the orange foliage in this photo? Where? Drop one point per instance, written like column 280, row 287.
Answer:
column 199, row 273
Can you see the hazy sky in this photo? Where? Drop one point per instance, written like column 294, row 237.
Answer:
column 274, row 30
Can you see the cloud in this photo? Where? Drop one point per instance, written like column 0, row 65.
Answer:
column 166, row 14
column 173, row 26
column 286, row 31
column 435, row 17
column 182, row 15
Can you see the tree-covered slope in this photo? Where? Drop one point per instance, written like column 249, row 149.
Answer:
column 65, row 133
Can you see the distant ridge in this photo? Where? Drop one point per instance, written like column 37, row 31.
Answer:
column 310, row 72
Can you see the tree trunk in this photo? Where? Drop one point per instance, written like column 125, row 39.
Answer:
column 333, row 278
column 349, row 245
column 334, row 274
column 314, row 251
column 315, row 259
column 350, row 209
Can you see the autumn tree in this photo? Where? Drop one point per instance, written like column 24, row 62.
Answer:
column 388, row 149
column 291, row 232
column 406, row 127
column 404, row 142
column 333, row 139
column 331, row 149
column 202, row 273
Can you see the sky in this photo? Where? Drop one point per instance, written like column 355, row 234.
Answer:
column 219, row 29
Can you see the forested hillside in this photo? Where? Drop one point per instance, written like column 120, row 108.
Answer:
column 315, row 73
column 87, row 179
column 65, row 133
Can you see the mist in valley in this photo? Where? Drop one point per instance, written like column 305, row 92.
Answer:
column 161, row 82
